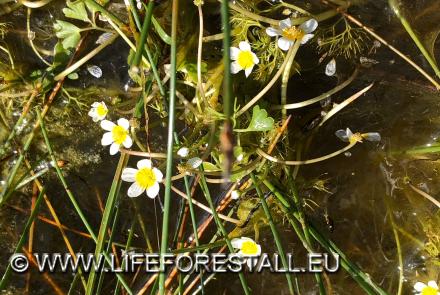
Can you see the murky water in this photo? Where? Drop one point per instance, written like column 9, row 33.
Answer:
column 363, row 188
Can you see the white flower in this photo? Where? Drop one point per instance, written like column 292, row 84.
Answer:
column 235, row 194
column 98, row 111
column 427, row 289
column 183, row 152
column 194, row 162
column 243, row 58
column 117, row 135
column 145, row 178
column 290, row 34
column 247, row 248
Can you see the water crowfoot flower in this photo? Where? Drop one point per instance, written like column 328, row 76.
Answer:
column 145, row 178
column 243, row 58
column 183, row 152
column 289, row 34
column 427, row 289
column 247, row 248
column 117, row 135
column 98, row 111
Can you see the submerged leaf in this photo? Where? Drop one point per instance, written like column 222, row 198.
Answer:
column 260, row 121
column 69, row 33
column 76, row 10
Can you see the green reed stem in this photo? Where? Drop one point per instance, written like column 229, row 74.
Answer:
column 144, row 34
column 227, row 79
column 286, row 76
column 127, row 247
column 274, row 230
column 22, row 239
column 170, row 145
column 205, row 189
column 122, row 162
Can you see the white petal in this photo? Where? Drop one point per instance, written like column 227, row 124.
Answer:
column 145, row 163
column 237, row 243
column 234, row 51
column 309, row 26
column 194, row 162
column 95, row 104
column 272, row 32
column 284, row 44
column 124, row 123
column 158, row 174
column 433, row 284
column 285, row 24
column 248, row 71
column 330, row 68
column 107, row 139
column 235, row 67
column 255, row 58
column 153, row 191
column 244, row 46
column 306, row 38
column 419, row 286
column 107, row 125
column 128, row 142
column 183, row 152
column 114, row 148
column 129, row 174
column 95, row 118
column 92, row 112
column 134, row 190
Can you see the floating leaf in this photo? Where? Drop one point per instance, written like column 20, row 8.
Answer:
column 209, row 167
column 68, row 32
column 95, row 71
column 259, row 122
column 76, row 10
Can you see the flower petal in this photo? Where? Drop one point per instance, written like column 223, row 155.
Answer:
column 95, row 118
column 272, row 32
column 309, row 26
column 255, row 58
column 129, row 174
column 153, row 191
column 244, row 46
column 158, row 174
column 433, row 284
column 107, row 125
column 235, row 67
column 234, row 51
column 95, row 104
column 306, row 38
column 237, row 243
column 134, row 190
column 248, row 71
column 107, row 139
column 128, row 142
column 114, row 148
column 124, row 123
column 285, row 24
column 419, row 286
column 92, row 112
column 284, row 44
column 145, row 163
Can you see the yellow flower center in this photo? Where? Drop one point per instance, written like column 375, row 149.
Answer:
column 245, row 59
column 145, row 178
column 249, row 248
column 293, row 33
column 429, row 291
column 119, row 134
column 101, row 110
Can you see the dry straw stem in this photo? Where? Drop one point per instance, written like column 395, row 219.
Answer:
column 425, row 195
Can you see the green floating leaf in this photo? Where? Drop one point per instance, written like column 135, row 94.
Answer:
column 259, row 122
column 209, row 167
column 76, row 10
column 69, row 33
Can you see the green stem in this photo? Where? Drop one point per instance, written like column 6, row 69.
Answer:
column 275, row 233
column 227, row 79
column 286, row 76
column 170, row 145
column 144, row 34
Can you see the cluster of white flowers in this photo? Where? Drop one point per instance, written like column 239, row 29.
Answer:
column 244, row 59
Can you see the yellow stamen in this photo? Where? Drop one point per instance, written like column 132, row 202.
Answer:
column 245, row 59
column 145, row 178
column 429, row 291
column 249, row 248
column 293, row 33
column 119, row 134
column 101, row 110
